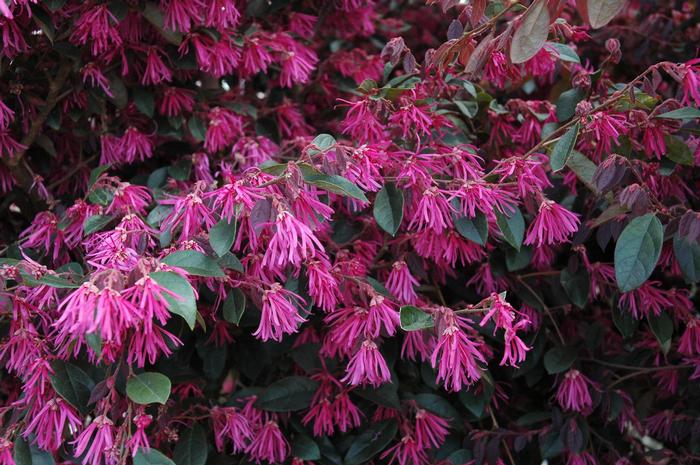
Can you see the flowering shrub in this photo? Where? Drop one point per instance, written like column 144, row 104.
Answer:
column 349, row 231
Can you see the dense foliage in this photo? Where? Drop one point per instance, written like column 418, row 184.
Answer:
column 341, row 232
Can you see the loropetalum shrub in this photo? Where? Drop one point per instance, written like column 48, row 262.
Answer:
column 349, row 231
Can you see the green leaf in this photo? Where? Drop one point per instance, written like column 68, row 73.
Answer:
column 437, row 405
column 688, row 257
column 148, row 388
column 662, row 327
column 48, row 280
column 583, row 167
column 563, row 148
column 576, row 285
column 152, row 457
column 624, row 322
column 154, row 15
column 336, row 184
column 475, row 229
column 559, row 359
column 101, row 196
column 324, row 142
column 601, row 12
column 532, row 33
column 234, row 306
column 566, row 104
column 287, row 395
column 96, row 173
column 303, row 447
column 230, row 262
column 197, row 128
column 72, row 384
column 681, row 113
column 637, row 250
column 144, row 101
column 678, row 151
column 95, row 223
column 386, row 395
column 512, row 227
column 518, row 259
column 195, row 263
column 388, row 208
column 221, row 236
column 564, row 52
column 468, row 108
column 186, row 305
column 29, row 454
column 414, row 319
column 370, row 442
column 191, row 447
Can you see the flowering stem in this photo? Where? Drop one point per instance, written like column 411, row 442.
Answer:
column 643, row 371
column 546, row 309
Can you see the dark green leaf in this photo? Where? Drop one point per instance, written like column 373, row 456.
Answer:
column 583, row 168
column 230, row 262
column 576, row 285
column 287, row 394
column 688, row 257
column 148, row 388
column 468, row 108
column 72, row 383
column 152, row 457
column 678, row 151
column 662, row 327
column 559, row 359
column 518, row 259
column 624, row 322
column 566, row 105
column 144, row 101
column 336, row 184
column 186, row 305
column 512, row 227
column 234, row 306
column 563, row 148
column 601, row 12
column 303, row 447
column 195, row 263
column 49, row 280
column 370, row 442
column 414, row 319
column 388, row 208
column 386, row 395
column 29, row 454
column 221, row 236
column 197, row 128
column 95, row 223
column 191, row 447
column 637, row 250
column 96, row 173
column 475, row 229
column 681, row 113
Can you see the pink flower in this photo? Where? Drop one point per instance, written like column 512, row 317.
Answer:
column 128, row 198
column 291, row 243
column 156, row 71
column 181, row 14
column 605, row 128
column 456, row 358
column 139, row 439
column 136, row 145
column 432, row 212
column 176, row 101
column 279, row 315
column 321, row 413
column 360, row 121
column 9, row 146
column 345, row 414
column 96, row 442
column 406, row 452
column 92, row 74
column 401, row 283
column 189, row 212
column 222, row 14
column 6, row 455
column 381, row 315
column 6, row 115
column 689, row 343
column 224, row 127
column 298, row 61
column 323, row 287
column 367, row 366
column 230, row 423
column 552, row 225
column 97, row 24
column 269, row 444
column 431, row 430
column 573, row 393
column 49, row 423
column 255, row 57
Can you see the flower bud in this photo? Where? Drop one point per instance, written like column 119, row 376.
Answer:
column 581, row 80
column 612, row 45
column 583, row 108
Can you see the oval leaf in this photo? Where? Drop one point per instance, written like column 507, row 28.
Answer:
column 370, row 442
column 414, row 319
column 562, row 149
column 221, row 236
column 152, row 457
column 148, row 388
column 336, row 184
column 532, row 33
column 287, row 395
column 191, row 448
column 512, row 227
column 388, row 208
column 688, row 256
column 601, row 12
column 559, row 359
column 72, row 383
column 195, row 263
column 637, row 250
column 185, row 305
column 234, row 306
column 475, row 229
